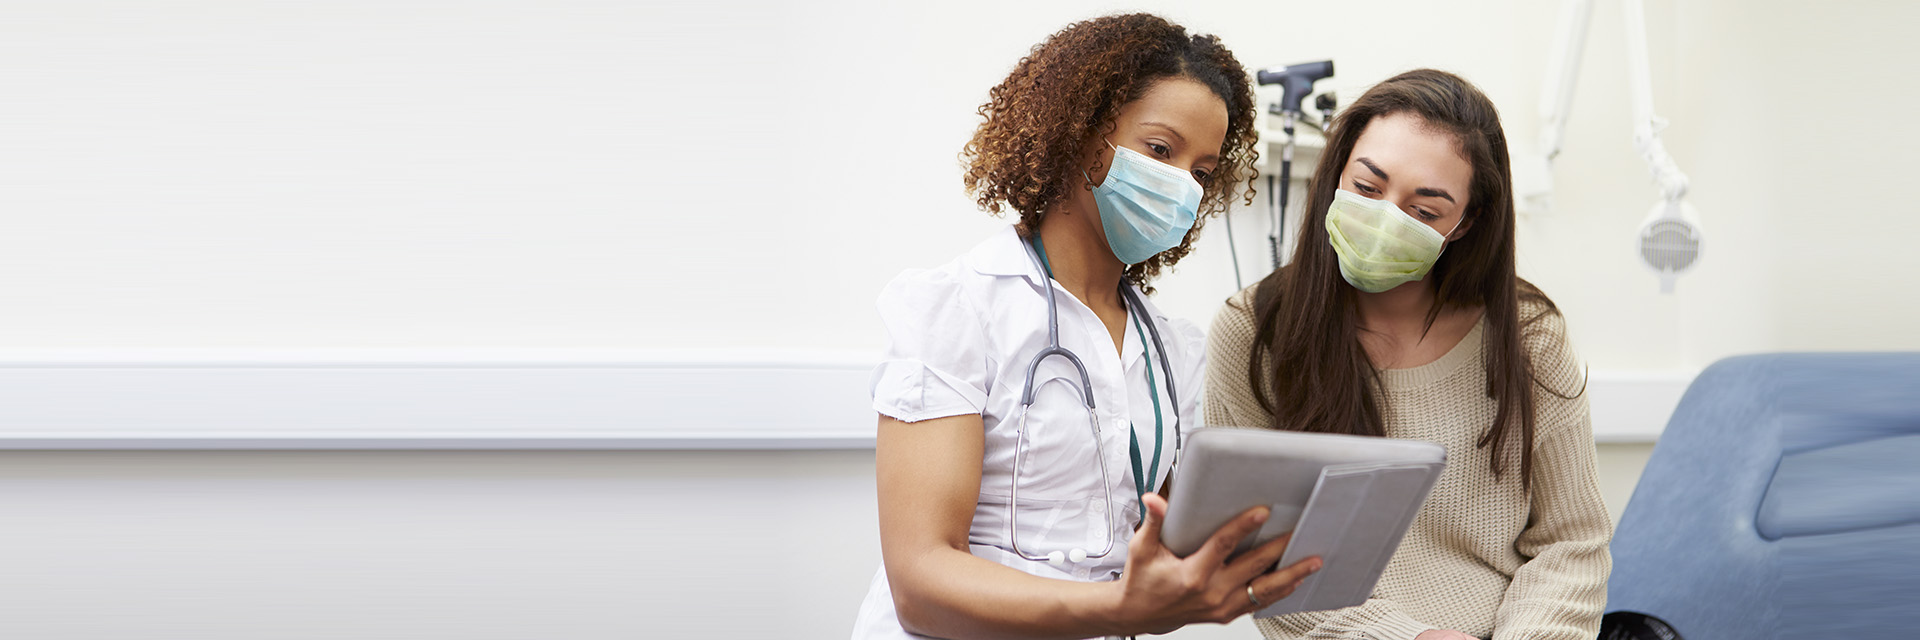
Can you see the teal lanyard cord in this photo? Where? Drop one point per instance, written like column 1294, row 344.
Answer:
column 1041, row 248
column 1151, row 474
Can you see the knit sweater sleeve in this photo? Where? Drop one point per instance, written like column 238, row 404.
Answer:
column 1376, row 619
column 1560, row 592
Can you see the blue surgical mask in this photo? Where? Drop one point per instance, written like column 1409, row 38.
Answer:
column 1146, row 206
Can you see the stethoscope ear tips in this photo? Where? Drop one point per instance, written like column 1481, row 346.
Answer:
column 1056, row 558
column 1077, row 555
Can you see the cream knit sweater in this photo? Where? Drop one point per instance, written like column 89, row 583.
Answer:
column 1483, row 556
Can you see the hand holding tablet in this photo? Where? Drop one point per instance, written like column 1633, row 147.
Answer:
column 1348, row 499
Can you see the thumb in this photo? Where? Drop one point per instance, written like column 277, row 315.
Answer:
column 1156, row 512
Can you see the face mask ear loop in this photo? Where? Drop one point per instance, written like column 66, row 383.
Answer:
column 1088, row 176
column 1443, row 238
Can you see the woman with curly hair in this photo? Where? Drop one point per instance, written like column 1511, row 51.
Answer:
column 1401, row 316
column 1000, row 517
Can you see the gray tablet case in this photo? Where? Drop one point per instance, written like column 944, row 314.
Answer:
column 1348, row 499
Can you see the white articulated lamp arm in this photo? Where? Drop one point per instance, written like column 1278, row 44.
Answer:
column 1646, row 125
column 1535, row 170
column 1670, row 237
column 1563, row 69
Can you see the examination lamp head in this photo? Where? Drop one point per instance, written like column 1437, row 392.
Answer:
column 1670, row 240
column 1296, row 81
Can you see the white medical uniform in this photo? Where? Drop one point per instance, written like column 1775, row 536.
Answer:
column 960, row 337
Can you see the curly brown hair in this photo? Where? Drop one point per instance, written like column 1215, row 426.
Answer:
column 1070, row 88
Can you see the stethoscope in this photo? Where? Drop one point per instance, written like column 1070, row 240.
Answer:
column 1077, row 554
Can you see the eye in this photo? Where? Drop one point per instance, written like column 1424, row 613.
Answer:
column 1203, row 176
column 1362, row 188
column 1158, row 149
column 1426, row 215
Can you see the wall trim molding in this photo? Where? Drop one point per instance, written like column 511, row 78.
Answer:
column 434, row 399
column 427, row 399
column 1634, row 406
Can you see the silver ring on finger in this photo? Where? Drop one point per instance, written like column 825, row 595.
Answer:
column 1254, row 598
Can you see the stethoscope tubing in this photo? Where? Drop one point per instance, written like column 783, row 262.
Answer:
column 1054, row 349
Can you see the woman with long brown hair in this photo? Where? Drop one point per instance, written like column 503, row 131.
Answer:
column 1401, row 315
column 1012, row 475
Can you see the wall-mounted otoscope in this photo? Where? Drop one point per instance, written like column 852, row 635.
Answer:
column 1296, row 82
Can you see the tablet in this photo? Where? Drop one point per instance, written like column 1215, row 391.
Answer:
column 1349, row 500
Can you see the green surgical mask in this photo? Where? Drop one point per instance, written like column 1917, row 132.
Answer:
column 1380, row 247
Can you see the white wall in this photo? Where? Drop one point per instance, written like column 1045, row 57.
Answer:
column 611, row 174
column 455, row 545
column 749, row 174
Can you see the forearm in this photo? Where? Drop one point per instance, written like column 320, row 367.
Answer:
column 1560, row 591
column 1376, row 619
column 928, row 479
column 1558, row 595
column 949, row 593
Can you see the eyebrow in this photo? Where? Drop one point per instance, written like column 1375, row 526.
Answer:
column 1422, row 191
column 1373, row 167
column 1169, row 128
column 1176, row 134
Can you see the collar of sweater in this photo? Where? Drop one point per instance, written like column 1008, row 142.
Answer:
column 1466, row 352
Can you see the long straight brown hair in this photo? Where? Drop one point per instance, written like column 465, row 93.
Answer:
column 1308, row 368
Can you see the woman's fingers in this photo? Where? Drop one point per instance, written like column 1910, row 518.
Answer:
column 1215, row 551
column 1270, row 588
column 1258, row 560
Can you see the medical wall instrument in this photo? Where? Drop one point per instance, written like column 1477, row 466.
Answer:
column 1670, row 237
column 1054, row 349
column 1296, row 83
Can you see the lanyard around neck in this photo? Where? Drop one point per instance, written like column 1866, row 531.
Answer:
column 1143, row 478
